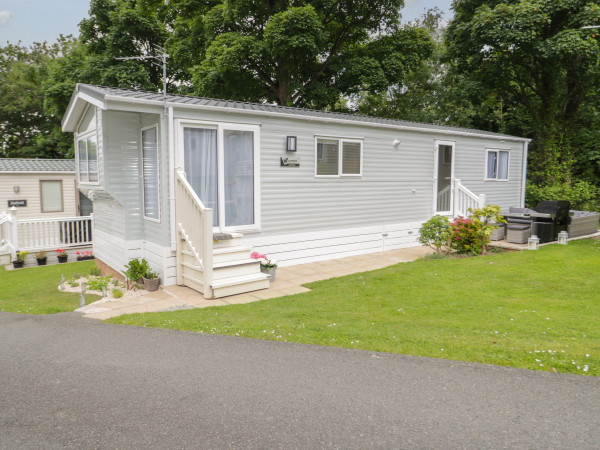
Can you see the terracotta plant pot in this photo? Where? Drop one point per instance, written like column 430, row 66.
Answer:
column 151, row 285
column 42, row 261
column 62, row 258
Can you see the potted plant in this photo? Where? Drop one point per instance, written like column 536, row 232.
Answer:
column 62, row 255
column 41, row 258
column 136, row 270
column 151, row 281
column 84, row 256
column 20, row 261
column 267, row 265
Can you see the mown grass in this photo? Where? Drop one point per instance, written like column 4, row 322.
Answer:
column 34, row 290
column 535, row 310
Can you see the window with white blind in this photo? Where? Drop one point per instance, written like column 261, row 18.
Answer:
column 150, row 169
column 87, row 155
column 51, row 195
column 497, row 165
column 338, row 157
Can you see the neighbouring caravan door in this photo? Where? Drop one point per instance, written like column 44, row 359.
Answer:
column 443, row 177
column 220, row 164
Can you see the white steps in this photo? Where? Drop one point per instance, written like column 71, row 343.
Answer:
column 234, row 272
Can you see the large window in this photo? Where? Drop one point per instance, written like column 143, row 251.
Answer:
column 338, row 157
column 497, row 165
column 51, row 194
column 88, row 159
column 150, row 172
column 221, row 162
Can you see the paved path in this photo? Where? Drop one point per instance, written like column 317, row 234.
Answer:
column 70, row 382
column 289, row 281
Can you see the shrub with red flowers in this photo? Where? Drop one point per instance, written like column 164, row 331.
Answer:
column 466, row 235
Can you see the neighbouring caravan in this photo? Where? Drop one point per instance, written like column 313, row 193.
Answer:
column 194, row 184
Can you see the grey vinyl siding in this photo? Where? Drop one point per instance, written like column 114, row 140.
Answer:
column 109, row 215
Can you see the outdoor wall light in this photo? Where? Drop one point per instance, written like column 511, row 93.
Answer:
column 291, row 144
column 16, row 189
column 397, row 143
column 563, row 238
column 533, row 243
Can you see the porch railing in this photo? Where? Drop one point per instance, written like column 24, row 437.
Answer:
column 194, row 224
column 8, row 234
column 465, row 199
column 444, row 199
column 66, row 232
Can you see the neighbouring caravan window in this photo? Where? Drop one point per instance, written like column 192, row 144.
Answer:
column 88, row 159
column 51, row 193
column 497, row 165
column 337, row 157
column 150, row 172
column 221, row 165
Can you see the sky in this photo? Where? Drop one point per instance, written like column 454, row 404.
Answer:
column 31, row 21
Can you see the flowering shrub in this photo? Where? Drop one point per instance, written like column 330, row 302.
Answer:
column 467, row 235
column 81, row 255
column 266, row 263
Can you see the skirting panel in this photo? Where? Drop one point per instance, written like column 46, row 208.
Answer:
column 302, row 248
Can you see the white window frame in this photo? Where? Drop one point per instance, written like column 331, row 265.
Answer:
column 220, row 127
column 341, row 141
column 62, row 197
column 497, row 151
column 151, row 219
column 85, row 137
column 437, row 143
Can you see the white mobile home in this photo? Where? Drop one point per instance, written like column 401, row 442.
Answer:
column 171, row 177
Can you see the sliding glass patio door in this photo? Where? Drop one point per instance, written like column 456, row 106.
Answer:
column 221, row 166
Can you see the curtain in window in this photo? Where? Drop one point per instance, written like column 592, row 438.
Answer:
column 200, row 159
column 92, row 159
column 491, row 164
column 83, row 164
column 150, row 173
column 351, row 158
column 51, row 196
column 327, row 157
column 503, row 166
column 238, row 148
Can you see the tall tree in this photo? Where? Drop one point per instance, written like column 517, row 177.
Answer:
column 534, row 69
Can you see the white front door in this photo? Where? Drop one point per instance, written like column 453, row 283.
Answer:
column 443, row 177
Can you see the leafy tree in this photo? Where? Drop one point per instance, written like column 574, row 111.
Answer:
column 28, row 127
column 533, row 71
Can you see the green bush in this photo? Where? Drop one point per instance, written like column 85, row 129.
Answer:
column 435, row 233
column 96, row 284
column 95, row 271
column 136, row 269
column 117, row 293
column 582, row 195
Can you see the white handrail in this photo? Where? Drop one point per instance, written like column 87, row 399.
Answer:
column 195, row 225
column 9, row 237
column 54, row 232
column 465, row 199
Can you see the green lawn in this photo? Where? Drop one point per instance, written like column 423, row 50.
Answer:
column 536, row 310
column 33, row 290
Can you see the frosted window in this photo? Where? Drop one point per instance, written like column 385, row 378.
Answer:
column 150, row 173
column 52, row 197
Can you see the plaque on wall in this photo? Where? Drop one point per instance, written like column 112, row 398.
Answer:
column 17, row 203
column 290, row 162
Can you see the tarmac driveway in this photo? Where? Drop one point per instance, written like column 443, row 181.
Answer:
column 71, row 382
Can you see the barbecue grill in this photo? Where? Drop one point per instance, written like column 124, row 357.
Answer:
column 555, row 219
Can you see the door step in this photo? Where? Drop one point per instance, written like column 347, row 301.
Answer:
column 240, row 285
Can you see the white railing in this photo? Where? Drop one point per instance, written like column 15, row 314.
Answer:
column 444, row 199
column 43, row 234
column 465, row 199
column 194, row 224
column 8, row 234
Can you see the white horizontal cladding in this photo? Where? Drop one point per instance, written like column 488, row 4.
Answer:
column 114, row 251
column 161, row 259
column 302, row 248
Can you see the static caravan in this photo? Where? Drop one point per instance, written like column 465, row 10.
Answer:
column 194, row 184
